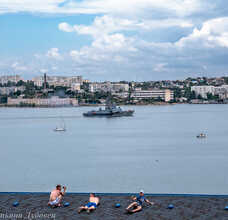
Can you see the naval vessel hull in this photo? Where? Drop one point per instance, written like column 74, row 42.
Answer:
column 108, row 114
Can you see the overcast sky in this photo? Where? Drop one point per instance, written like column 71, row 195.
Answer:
column 114, row 39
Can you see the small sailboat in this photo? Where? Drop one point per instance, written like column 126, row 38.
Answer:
column 61, row 127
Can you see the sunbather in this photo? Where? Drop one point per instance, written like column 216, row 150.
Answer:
column 137, row 205
column 91, row 205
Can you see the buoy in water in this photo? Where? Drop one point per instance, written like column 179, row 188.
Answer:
column 171, row 206
column 66, row 204
column 15, row 204
column 117, row 205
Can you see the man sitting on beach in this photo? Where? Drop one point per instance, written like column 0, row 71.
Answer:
column 91, row 205
column 137, row 205
column 56, row 196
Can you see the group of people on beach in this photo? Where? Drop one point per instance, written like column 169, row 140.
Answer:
column 57, row 194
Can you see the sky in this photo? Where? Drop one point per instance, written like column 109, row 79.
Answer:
column 114, row 40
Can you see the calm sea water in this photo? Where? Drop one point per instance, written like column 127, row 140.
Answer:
column 156, row 150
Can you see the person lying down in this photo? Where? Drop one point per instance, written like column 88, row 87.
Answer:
column 91, row 205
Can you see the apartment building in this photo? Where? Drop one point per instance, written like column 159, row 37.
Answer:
column 165, row 94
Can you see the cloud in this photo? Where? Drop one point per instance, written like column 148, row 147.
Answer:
column 136, row 7
column 43, row 70
column 18, row 67
column 65, row 27
column 115, row 55
column 160, row 67
column 113, row 59
column 130, row 7
column 39, row 6
column 213, row 33
column 107, row 39
column 109, row 36
column 15, row 64
column 188, row 55
column 105, row 48
column 108, row 24
column 54, row 53
column 54, row 68
column 132, row 39
column 114, row 42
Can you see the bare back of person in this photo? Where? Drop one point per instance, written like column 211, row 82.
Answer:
column 54, row 194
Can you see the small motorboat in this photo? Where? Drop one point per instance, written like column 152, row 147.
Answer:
column 61, row 127
column 201, row 135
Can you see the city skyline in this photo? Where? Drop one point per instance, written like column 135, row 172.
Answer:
column 112, row 40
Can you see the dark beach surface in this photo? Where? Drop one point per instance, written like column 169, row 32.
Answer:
column 186, row 207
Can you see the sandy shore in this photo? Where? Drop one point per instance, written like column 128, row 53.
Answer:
column 34, row 206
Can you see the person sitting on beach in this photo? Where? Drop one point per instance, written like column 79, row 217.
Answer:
column 138, row 202
column 56, row 196
column 91, row 205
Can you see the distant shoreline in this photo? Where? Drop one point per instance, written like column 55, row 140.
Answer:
column 100, row 105
column 88, row 105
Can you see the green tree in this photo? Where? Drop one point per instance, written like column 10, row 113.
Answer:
column 210, row 96
column 177, row 93
column 192, row 95
column 21, row 83
column 199, row 97
column 3, row 99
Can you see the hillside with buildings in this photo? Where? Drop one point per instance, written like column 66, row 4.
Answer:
column 51, row 91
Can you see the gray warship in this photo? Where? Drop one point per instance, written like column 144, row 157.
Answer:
column 111, row 110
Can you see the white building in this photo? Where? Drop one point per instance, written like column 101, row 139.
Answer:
column 52, row 102
column 203, row 90
column 12, row 89
column 165, row 94
column 98, row 87
column 221, row 91
column 67, row 81
column 75, row 86
column 123, row 95
column 108, row 87
column 120, row 87
column 11, row 78
column 7, row 90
